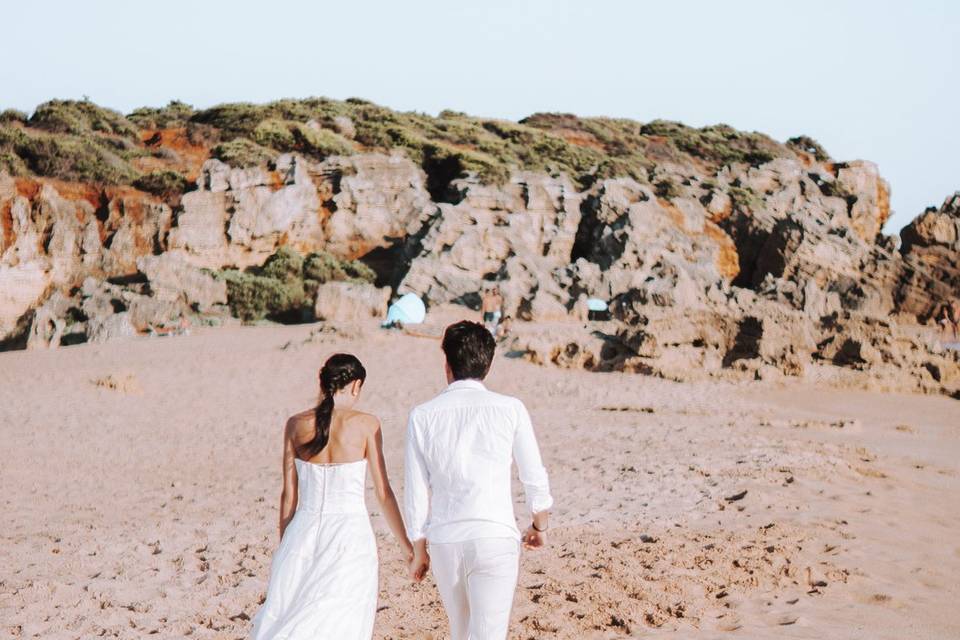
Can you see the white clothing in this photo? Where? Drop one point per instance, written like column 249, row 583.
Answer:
column 476, row 581
column 323, row 579
column 457, row 469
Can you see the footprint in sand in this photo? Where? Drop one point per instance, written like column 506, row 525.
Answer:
column 123, row 382
column 730, row 625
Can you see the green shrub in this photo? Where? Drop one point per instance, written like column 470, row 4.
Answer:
column 456, row 163
column 636, row 168
column 284, row 135
column 64, row 156
column 275, row 134
column 285, row 265
column 175, row 114
column 319, row 143
column 718, row 144
column 310, row 290
column 358, row 272
column 323, row 267
column 12, row 164
column 241, row 119
column 80, row 118
column 13, row 115
column 242, row 153
column 11, row 138
column 254, row 297
column 233, row 120
column 202, row 134
column 82, row 158
column 285, row 286
column 163, row 183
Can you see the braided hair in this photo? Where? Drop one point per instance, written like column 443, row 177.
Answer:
column 338, row 371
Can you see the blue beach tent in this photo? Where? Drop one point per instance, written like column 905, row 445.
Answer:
column 409, row 309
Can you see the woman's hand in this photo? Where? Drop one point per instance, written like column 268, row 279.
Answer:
column 419, row 562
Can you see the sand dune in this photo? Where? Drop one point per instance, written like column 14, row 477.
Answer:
column 140, row 483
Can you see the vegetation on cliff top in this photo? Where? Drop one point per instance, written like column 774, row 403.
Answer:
column 163, row 183
column 78, row 140
column 28, row 151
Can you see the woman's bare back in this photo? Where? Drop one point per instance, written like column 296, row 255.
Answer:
column 353, row 436
column 349, row 433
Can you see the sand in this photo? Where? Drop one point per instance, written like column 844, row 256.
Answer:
column 140, row 482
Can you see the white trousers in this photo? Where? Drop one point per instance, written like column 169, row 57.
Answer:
column 476, row 580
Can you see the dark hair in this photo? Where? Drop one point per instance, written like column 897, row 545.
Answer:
column 338, row 371
column 469, row 348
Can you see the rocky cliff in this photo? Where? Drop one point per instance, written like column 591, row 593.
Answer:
column 719, row 250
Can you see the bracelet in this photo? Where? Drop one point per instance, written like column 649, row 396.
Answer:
column 536, row 528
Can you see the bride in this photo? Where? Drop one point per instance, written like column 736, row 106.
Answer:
column 323, row 580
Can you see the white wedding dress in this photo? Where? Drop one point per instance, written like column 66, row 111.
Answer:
column 323, row 580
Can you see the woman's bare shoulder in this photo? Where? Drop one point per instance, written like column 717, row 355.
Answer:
column 366, row 421
column 300, row 421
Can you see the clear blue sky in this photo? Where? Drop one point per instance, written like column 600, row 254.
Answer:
column 875, row 80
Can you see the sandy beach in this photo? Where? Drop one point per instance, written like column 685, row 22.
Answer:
column 140, row 482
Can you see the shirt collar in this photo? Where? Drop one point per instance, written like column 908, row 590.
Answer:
column 468, row 383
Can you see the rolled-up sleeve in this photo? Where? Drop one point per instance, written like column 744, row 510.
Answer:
column 533, row 475
column 416, row 485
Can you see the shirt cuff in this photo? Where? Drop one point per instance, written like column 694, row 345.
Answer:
column 540, row 503
column 416, row 534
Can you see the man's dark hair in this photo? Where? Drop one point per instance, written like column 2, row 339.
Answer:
column 469, row 349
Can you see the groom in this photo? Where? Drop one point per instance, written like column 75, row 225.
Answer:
column 459, row 451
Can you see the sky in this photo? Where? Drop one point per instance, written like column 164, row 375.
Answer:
column 873, row 80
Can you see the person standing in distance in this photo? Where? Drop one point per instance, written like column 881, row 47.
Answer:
column 459, row 453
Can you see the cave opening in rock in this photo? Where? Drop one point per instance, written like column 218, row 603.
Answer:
column 16, row 338
column 391, row 263
column 587, row 230
column 442, row 170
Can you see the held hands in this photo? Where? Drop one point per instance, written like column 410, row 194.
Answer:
column 533, row 539
column 418, row 562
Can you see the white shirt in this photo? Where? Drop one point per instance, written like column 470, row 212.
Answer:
column 459, row 451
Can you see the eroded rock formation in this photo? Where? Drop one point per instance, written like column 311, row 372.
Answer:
column 771, row 268
column 931, row 247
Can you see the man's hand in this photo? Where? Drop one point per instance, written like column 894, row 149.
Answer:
column 533, row 539
column 420, row 562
